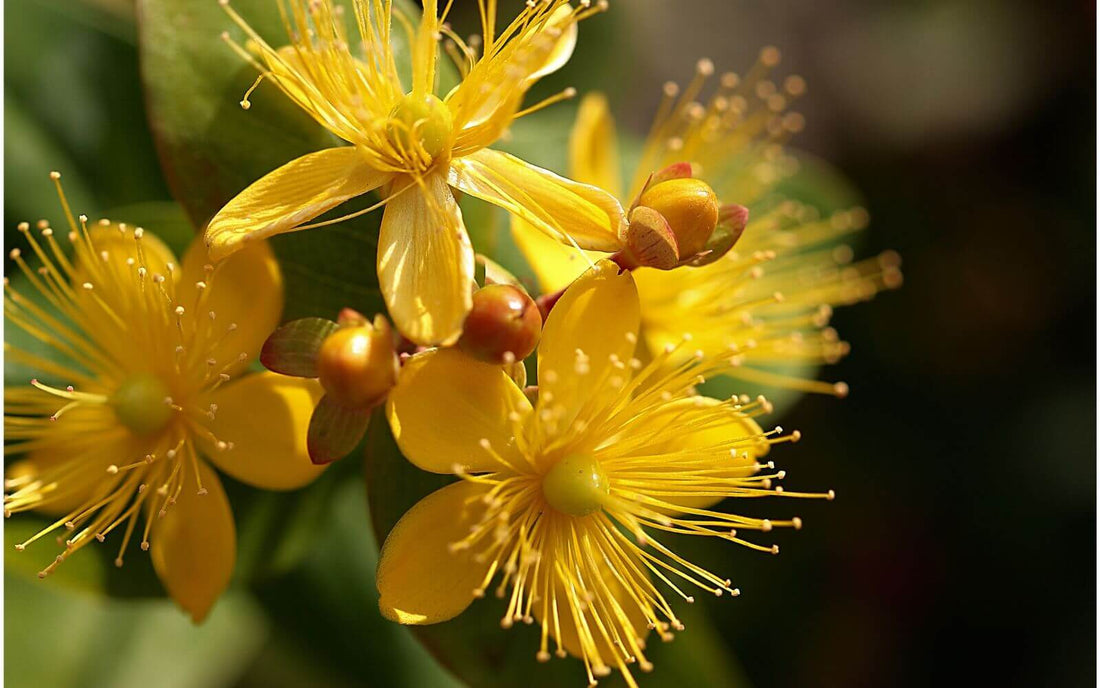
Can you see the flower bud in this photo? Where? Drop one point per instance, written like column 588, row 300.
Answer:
column 357, row 365
column 691, row 209
column 503, row 324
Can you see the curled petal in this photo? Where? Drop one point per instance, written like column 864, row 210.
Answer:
column 565, row 210
column 290, row 196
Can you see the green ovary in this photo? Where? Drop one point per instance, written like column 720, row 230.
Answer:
column 140, row 404
column 576, row 485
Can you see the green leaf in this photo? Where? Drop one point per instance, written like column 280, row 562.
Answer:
column 475, row 647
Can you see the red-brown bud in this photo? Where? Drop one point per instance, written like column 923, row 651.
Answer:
column 357, row 365
column 504, row 325
column 691, row 209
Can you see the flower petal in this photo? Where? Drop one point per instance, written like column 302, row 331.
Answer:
column 555, row 264
column 486, row 102
column 266, row 417
column 293, row 194
column 425, row 262
column 563, row 209
column 594, row 147
column 420, row 580
column 244, row 292
column 562, row 19
column 194, row 545
column 445, row 403
column 596, row 319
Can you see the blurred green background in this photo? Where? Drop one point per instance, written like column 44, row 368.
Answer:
column 961, row 549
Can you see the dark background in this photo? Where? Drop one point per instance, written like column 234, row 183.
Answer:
column 961, row 548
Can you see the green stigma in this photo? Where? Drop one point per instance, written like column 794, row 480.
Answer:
column 576, row 485
column 140, row 405
column 427, row 118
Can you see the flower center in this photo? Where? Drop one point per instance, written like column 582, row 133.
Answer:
column 420, row 126
column 140, row 404
column 576, row 485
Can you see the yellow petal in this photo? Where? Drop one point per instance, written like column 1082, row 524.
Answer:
column 594, row 147
column 597, row 318
column 694, row 438
column 420, row 580
column 565, row 210
column 484, row 105
column 246, row 290
column 555, row 264
column 425, row 261
column 266, row 417
column 290, row 196
column 562, row 19
column 445, row 403
column 194, row 545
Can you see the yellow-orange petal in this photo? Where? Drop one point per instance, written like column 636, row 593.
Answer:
column 425, row 261
column 421, row 581
column 594, row 147
column 446, row 403
column 593, row 326
column 566, row 210
column 245, row 293
column 290, row 196
column 265, row 416
column 194, row 545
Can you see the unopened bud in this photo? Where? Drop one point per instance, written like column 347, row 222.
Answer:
column 691, row 209
column 357, row 365
column 503, row 323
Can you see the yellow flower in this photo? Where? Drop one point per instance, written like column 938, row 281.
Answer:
column 565, row 500
column 154, row 355
column 772, row 296
column 415, row 147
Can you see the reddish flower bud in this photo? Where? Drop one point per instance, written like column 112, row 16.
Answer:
column 691, row 209
column 504, row 324
column 357, row 365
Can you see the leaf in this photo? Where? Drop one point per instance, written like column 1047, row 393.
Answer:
column 482, row 654
column 334, row 430
column 292, row 349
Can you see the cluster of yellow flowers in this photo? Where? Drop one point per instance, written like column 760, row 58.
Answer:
column 564, row 490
